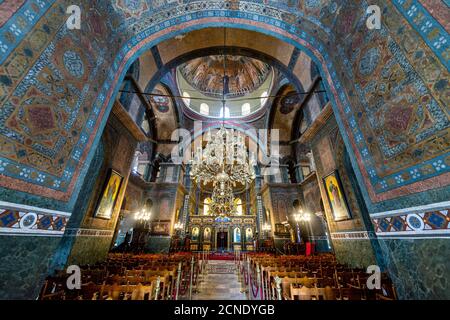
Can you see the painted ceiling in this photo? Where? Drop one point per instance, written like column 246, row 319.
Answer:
column 242, row 74
column 389, row 88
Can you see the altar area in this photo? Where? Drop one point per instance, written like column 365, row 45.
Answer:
column 222, row 234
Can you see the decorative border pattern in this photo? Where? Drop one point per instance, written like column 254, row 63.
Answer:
column 432, row 32
column 353, row 235
column 318, row 238
column 13, row 31
column 82, row 232
column 253, row 15
column 425, row 221
column 16, row 219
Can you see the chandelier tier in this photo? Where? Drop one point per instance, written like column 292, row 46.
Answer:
column 224, row 162
column 222, row 200
column 225, row 154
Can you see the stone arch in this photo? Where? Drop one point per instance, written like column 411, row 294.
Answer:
column 291, row 25
column 339, row 96
column 192, row 53
column 298, row 27
column 110, row 88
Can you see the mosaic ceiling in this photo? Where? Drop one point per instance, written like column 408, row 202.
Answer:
column 242, row 75
column 389, row 88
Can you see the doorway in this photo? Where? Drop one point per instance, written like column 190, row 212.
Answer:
column 222, row 241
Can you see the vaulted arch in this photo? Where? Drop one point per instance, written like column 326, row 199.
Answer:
column 303, row 33
column 387, row 89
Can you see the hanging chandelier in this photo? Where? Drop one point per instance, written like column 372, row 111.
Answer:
column 224, row 162
column 225, row 154
column 222, row 200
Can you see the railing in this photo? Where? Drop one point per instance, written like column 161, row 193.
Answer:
column 190, row 276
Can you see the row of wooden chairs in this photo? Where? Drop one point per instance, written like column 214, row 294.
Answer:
column 120, row 277
column 315, row 277
column 92, row 291
column 329, row 293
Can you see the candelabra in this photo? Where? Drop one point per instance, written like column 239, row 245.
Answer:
column 301, row 216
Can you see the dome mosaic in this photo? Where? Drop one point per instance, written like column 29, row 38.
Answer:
column 243, row 75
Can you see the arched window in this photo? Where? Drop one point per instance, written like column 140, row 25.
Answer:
column 238, row 203
column 264, row 98
column 246, row 109
column 136, row 161
column 204, row 109
column 186, row 98
column 227, row 112
column 206, row 204
column 140, row 163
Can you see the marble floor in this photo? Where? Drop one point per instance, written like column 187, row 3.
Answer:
column 220, row 283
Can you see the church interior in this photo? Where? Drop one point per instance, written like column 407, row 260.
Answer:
column 229, row 150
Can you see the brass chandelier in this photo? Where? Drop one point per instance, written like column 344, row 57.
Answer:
column 224, row 161
column 225, row 154
column 222, row 200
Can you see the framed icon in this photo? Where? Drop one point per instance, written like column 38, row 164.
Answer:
column 336, row 197
column 110, row 192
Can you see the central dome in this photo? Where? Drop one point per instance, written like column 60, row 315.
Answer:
column 243, row 75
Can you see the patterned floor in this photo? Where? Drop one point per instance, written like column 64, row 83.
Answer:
column 221, row 283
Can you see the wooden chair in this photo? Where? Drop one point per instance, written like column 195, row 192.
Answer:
column 127, row 292
column 302, row 293
column 141, row 292
column 350, row 294
column 89, row 291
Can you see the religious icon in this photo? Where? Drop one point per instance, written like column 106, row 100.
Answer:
column 336, row 197
column 161, row 228
column 207, row 234
column 108, row 199
column 237, row 235
column 195, row 233
column 248, row 234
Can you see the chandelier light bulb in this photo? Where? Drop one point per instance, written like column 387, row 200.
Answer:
column 143, row 215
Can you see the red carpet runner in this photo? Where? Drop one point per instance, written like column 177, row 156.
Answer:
column 221, row 256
